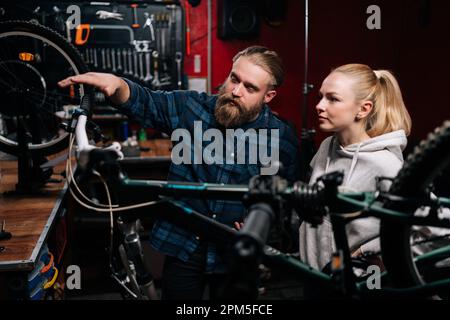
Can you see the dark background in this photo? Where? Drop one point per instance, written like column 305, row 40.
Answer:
column 414, row 43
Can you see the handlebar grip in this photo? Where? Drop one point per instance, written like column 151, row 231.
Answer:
column 251, row 239
column 87, row 101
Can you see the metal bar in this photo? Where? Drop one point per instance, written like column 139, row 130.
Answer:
column 210, row 190
column 209, row 78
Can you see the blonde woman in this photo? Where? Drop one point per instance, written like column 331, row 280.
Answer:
column 364, row 110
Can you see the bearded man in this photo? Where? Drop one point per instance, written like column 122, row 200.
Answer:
column 192, row 262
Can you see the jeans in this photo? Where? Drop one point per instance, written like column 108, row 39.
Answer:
column 187, row 280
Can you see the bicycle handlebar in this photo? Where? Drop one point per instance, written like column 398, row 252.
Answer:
column 253, row 235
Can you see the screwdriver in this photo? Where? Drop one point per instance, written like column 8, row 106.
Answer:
column 135, row 18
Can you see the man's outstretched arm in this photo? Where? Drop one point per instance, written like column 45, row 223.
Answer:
column 113, row 87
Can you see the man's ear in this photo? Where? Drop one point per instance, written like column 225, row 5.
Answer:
column 269, row 96
column 365, row 109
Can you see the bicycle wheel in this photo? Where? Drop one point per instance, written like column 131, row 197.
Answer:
column 425, row 173
column 33, row 58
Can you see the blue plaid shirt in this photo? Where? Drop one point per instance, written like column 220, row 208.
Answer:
column 167, row 111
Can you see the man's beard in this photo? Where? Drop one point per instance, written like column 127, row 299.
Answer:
column 230, row 113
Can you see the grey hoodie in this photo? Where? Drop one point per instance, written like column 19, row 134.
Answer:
column 361, row 163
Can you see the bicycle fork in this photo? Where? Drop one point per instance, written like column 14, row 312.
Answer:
column 341, row 264
column 132, row 257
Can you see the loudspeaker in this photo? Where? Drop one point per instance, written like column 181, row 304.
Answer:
column 238, row 19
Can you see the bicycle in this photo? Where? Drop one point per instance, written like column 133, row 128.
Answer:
column 33, row 107
column 419, row 183
column 269, row 197
column 34, row 110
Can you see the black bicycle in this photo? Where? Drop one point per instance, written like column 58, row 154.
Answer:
column 414, row 214
column 414, row 232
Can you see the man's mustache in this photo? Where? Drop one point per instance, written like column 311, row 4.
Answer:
column 228, row 99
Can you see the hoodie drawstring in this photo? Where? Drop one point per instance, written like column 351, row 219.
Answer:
column 353, row 165
column 330, row 150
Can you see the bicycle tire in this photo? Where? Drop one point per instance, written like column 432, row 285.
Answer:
column 73, row 57
column 428, row 160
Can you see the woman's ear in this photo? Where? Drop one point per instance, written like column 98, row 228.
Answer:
column 364, row 110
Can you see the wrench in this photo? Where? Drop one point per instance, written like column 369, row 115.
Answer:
column 158, row 31
column 119, row 60
column 163, row 42
column 113, row 58
column 86, row 56
column 141, row 66
column 108, row 58
column 172, row 29
column 135, row 63
column 155, row 82
column 124, row 56
column 148, row 75
column 102, row 51
column 130, row 64
column 178, row 57
column 164, row 26
column 95, row 58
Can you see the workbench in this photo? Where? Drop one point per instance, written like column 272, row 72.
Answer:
column 43, row 219
column 30, row 219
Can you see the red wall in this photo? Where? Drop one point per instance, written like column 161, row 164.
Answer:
column 338, row 34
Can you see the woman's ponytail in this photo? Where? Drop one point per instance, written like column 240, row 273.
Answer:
column 389, row 112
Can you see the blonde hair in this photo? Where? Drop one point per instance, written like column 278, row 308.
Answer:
column 381, row 88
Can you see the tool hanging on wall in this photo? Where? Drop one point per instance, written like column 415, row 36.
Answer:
column 149, row 18
column 141, row 66
column 135, row 64
column 148, row 75
column 103, row 15
column 79, row 40
column 95, row 58
column 152, row 56
column 155, row 82
column 113, row 59
column 119, row 62
column 135, row 16
column 102, row 51
column 124, row 56
column 178, row 59
column 130, row 64
column 172, row 29
column 108, row 58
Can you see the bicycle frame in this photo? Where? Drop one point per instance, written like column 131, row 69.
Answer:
column 365, row 202
column 342, row 277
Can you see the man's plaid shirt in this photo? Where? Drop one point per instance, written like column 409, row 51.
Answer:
column 167, row 111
